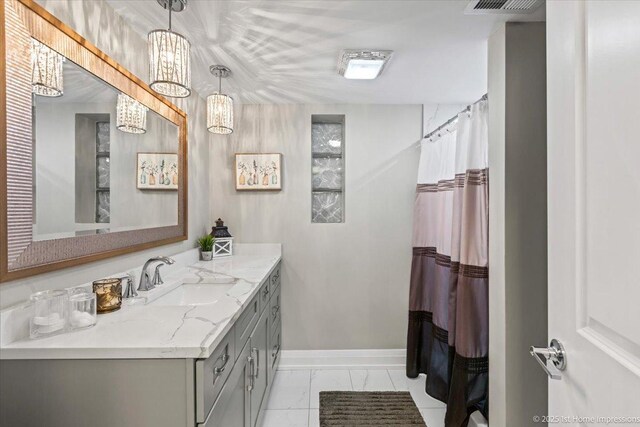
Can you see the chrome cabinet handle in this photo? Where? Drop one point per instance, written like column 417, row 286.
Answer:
column 257, row 352
column 265, row 293
column 554, row 353
column 251, row 379
column 276, row 350
column 225, row 359
column 275, row 310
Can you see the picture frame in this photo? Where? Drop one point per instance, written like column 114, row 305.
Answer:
column 157, row 171
column 258, row 171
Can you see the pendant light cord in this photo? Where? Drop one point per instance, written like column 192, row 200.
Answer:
column 170, row 10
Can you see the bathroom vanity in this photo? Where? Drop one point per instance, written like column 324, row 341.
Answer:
column 200, row 350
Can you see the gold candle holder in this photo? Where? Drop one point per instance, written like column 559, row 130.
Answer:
column 108, row 295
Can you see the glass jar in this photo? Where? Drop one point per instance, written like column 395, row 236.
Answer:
column 50, row 313
column 82, row 310
column 108, row 295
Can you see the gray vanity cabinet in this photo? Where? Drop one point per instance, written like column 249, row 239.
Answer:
column 243, row 397
column 259, row 348
column 228, row 389
column 240, row 401
column 233, row 407
column 275, row 324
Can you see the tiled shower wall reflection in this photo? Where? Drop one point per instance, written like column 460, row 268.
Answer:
column 327, row 149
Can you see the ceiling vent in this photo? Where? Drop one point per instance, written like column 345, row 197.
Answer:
column 511, row 7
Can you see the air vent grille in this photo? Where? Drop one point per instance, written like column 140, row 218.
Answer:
column 502, row 6
column 489, row 4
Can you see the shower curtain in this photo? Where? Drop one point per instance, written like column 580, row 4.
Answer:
column 448, row 337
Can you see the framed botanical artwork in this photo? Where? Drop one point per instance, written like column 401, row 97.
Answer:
column 258, row 171
column 157, row 171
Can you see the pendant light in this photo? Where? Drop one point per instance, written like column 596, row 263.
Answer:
column 131, row 115
column 46, row 70
column 219, row 105
column 169, row 57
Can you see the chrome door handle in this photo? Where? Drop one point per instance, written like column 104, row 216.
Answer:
column 257, row 352
column 251, row 378
column 554, row 353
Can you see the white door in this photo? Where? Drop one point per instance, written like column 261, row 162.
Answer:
column 593, row 89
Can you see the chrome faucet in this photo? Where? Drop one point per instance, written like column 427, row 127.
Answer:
column 145, row 282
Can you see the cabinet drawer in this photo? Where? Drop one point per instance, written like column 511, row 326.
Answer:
column 275, row 277
column 264, row 294
column 246, row 322
column 211, row 374
column 275, row 307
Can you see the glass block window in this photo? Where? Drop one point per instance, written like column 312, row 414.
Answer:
column 103, row 174
column 327, row 169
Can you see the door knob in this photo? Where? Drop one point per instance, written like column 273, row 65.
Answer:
column 555, row 354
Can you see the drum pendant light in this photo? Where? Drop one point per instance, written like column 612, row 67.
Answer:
column 46, row 70
column 219, row 105
column 169, row 57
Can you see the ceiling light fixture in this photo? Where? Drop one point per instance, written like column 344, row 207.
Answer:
column 219, row 105
column 362, row 64
column 169, row 57
column 46, row 70
column 131, row 115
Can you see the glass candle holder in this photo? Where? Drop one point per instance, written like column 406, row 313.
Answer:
column 50, row 313
column 82, row 310
column 108, row 295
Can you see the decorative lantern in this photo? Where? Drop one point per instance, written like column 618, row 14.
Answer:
column 223, row 245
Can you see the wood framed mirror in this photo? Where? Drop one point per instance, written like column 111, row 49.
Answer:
column 80, row 171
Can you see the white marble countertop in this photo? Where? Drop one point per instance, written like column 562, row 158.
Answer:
column 163, row 331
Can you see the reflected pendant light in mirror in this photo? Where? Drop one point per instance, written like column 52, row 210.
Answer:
column 219, row 105
column 131, row 115
column 169, row 57
column 46, row 70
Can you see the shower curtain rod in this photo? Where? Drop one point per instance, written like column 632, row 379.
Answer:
column 454, row 118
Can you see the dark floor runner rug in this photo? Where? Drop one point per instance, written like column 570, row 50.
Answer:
column 368, row 408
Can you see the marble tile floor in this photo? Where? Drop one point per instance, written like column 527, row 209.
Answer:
column 294, row 399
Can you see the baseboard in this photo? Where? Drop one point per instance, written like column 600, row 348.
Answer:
column 343, row 359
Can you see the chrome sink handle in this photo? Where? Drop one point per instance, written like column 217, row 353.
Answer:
column 157, row 280
column 145, row 282
column 554, row 353
column 130, row 289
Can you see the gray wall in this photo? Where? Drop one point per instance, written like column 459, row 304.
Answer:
column 97, row 22
column 518, row 222
column 345, row 286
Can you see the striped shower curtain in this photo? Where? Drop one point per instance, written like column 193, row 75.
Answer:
column 448, row 337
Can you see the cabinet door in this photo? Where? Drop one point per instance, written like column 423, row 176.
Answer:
column 259, row 348
column 233, row 407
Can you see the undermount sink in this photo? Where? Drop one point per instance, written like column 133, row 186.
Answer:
column 194, row 294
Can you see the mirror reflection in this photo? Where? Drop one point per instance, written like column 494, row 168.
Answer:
column 103, row 162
